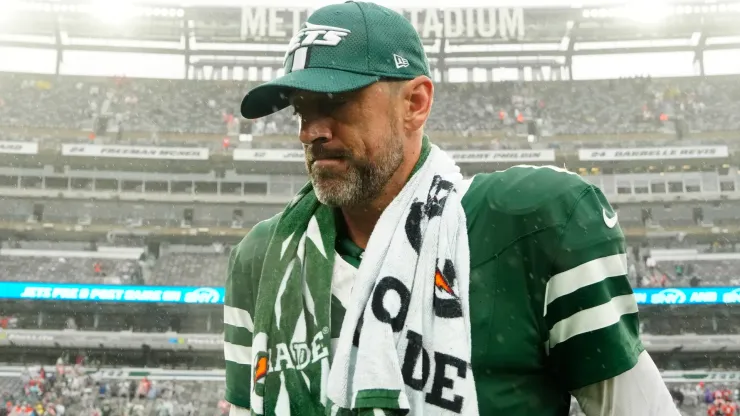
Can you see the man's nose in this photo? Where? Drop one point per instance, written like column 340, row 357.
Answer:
column 315, row 128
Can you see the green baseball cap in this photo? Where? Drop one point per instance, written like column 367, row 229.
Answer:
column 342, row 47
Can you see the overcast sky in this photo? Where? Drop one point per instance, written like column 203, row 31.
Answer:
column 394, row 3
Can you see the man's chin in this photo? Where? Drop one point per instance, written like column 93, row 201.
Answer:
column 331, row 192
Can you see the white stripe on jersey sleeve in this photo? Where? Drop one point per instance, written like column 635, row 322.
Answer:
column 583, row 275
column 592, row 319
column 239, row 411
column 237, row 353
column 238, row 317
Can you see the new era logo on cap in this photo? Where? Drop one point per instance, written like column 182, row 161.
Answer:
column 400, row 61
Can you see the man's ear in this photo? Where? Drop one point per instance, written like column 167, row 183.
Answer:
column 417, row 95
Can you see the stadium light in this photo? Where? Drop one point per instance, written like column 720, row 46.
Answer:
column 113, row 12
column 648, row 12
column 7, row 10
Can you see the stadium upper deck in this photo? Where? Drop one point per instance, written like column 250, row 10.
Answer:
column 246, row 45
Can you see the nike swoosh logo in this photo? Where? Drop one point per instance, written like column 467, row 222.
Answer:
column 610, row 222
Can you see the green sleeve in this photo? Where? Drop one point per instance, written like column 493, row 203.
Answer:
column 242, row 282
column 590, row 310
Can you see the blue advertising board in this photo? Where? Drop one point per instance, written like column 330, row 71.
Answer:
column 215, row 295
column 111, row 293
column 688, row 296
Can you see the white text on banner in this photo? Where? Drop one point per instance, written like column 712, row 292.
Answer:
column 492, row 156
column 653, row 153
column 19, row 148
column 135, row 152
column 269, row 155
column 461, row 156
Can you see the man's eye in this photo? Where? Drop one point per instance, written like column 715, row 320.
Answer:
column 331, row 106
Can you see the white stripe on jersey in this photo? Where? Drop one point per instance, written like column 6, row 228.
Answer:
column 584, row 275
column 237, row 353
column 592, row 319
column 238, row 317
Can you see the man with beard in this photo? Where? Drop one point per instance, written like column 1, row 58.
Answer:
column 319, row 303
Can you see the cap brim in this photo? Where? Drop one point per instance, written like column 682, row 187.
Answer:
column 273, row 96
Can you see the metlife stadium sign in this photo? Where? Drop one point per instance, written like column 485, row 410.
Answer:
column 431, row 23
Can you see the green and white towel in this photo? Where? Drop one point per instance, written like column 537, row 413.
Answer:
column 404, row 346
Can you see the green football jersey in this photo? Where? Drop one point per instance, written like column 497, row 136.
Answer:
column 551, row 309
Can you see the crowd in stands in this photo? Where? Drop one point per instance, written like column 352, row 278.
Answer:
column 572, row 108
column 74, row 391
column 176, row 265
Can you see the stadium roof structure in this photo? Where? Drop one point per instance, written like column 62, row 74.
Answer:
column 253, row 36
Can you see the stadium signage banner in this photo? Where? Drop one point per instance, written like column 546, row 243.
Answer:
column 19, row 148
column 688, row 296
column 112, row 293
column 268, row 155
column 492, row 156
column 135, row 152
column 461, row 156
column 215, row 295
column 450, row 23
column 654, row 153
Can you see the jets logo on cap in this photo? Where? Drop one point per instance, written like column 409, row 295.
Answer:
column 312, row 35
column 400, row 61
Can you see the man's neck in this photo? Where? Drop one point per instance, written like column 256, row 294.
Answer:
column 361, row 220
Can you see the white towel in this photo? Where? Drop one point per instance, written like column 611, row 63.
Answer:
column 410, row 299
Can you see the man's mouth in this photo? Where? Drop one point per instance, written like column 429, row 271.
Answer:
column 328, row 161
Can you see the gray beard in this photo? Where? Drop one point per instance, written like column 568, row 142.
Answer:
column 361, row 183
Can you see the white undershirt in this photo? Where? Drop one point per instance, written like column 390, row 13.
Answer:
column 636, row 392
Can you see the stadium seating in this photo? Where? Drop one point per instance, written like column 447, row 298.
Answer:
column 65, row 270
column 202, row 397
column 570, row 108
column 190, row 269
column 709, row 272
column 148, row 213
column 206, row 265
column 222, row 214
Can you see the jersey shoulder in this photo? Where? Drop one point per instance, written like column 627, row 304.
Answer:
column 520, row 201
column 257, row 239
column 524, row 189
column 248, row 255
